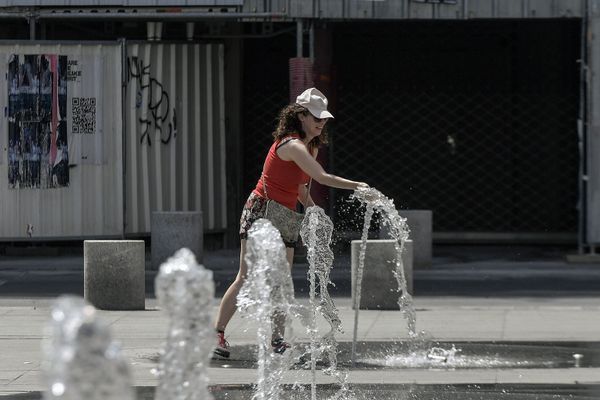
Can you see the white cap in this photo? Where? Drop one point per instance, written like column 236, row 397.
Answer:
column 315, row 101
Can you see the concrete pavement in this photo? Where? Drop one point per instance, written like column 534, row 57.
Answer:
column 494, row 298
column 142, row 332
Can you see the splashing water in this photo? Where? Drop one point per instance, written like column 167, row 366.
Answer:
column 316, row 232
column 185, row 291
column 268, row 291
column 441, row 354
column 81, row 361
column 423, row 355
column 374, row 200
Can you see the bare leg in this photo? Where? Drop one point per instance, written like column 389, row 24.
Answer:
column 279, row 318
column 228, row 304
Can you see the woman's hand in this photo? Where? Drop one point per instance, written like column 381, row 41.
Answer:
column 365, row 193
column 362, row 186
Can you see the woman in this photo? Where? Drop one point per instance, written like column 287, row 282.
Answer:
column 290, row 164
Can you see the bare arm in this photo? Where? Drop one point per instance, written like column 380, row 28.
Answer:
column 304, row 196
column 297, row 152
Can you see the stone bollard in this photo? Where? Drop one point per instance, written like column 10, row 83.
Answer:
column 379, row 286
column 420, row 224
column 173, row 230
column 114, row 274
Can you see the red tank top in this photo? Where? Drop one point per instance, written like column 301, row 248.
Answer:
column 281, row 177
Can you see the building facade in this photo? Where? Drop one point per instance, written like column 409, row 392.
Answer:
column 482, row 111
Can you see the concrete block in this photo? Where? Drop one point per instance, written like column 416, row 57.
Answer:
column 379, row 286
column 172, row 230
column 420, row 223
column 114, row 274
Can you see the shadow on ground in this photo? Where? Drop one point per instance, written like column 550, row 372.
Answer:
column 465, row 271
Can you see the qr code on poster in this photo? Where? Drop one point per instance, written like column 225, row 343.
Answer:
column 84, row 114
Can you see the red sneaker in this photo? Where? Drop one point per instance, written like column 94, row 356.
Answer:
column 279, row 345
column 222, row 348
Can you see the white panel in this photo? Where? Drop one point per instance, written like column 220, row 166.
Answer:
column 91, row 203
column 192, row 164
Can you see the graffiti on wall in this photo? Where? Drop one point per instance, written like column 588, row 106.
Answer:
column 153, row 102
column 37, row 126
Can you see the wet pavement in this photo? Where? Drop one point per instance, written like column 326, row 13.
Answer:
column 527, row 306
column 426, row 354
column 398, row 392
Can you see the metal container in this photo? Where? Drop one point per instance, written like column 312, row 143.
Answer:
column 60, row 169
column 122, row 130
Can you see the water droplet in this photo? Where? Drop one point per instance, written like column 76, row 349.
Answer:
column 58, row 389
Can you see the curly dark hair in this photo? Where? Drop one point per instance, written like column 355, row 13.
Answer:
column 288, row 123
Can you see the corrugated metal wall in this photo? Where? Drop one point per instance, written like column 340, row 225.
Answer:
column 406, row 9
column 174, row 119
column 123, row 3
column 90, row 201
column 175, row 112
column 356, row 9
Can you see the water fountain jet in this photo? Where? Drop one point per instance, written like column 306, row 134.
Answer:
column 268, row 291
column 81, row 361
column 374, row 201
column 185, row 291
column 316, row 233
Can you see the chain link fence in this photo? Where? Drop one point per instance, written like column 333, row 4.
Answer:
column 475, row 120
column 480, row 165
column 266, row 91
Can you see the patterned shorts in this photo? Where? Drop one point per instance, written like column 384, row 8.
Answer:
column 254, row 209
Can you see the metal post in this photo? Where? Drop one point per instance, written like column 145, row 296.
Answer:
column 31, row 27
column 592, row 138
column 299, row 38
column 124, row 73
column 581, row 133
